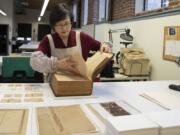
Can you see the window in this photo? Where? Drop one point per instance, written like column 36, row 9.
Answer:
column 146, row 5
column 155, row 4
column 103, row 10
column 165, row 3
column 85, row 20
column 75, row 11
column 139, row 6
column 152, row 4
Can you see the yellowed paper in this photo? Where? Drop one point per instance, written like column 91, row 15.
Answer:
column 65, row 120
column 13, row 122
column 33, row 100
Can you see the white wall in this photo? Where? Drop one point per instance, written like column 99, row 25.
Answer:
column 148, row 34
column 101, row 32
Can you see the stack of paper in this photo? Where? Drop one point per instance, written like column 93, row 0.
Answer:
column 169, row 121
column 131, row 125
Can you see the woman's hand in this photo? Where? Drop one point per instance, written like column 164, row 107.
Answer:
column 67, row 64
column 105, row 48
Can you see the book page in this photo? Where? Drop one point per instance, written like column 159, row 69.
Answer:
column 80, row 64
column 89, row 69
column 96, row 63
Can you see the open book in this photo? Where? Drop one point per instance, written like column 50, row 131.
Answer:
column 96, row 63
column 66, row 84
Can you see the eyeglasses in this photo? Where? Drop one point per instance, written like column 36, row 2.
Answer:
column 66, row 25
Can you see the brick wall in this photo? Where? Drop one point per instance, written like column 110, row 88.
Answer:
column 174, row 3
column 122, row 9
column 93, row 11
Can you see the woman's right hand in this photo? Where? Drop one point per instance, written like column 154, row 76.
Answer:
column 67, row 64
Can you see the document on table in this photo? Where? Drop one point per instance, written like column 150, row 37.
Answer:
column 164, row 99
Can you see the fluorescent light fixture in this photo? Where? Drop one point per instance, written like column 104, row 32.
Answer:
column 3, row 13
column 44, row 7
column 20, row 38
column 39, row 19
column 28, row 39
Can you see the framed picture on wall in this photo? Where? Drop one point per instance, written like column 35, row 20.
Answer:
column 171, row 47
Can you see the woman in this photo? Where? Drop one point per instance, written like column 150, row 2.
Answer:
column 54, row 50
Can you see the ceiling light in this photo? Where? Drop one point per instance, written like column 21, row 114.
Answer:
column 39, row 19
column 44, row 7
column 3, row 13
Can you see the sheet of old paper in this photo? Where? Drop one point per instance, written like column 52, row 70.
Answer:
column 64, row 120
column 165, row 99
column 96, row 63
column 13, row 122
column 80, row 64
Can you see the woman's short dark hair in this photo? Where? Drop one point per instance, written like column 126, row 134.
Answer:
column 59, row 13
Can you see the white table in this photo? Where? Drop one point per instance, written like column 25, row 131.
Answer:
column 102, row 91
column 126, row 91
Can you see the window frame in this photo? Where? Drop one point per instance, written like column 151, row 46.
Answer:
column 162, row 5
column 105, row 12
column 85, row 12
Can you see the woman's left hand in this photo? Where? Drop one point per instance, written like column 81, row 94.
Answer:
column 105, row 48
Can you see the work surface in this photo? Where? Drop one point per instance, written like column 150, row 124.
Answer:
column 29, row 47
column 133, row 94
